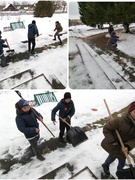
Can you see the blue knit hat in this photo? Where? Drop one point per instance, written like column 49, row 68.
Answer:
column 22, row 103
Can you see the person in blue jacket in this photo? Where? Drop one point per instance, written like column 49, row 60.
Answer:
column 66, row 111
column 32, row 33
column 26, row 121
column 3, row 45
column 113, row 39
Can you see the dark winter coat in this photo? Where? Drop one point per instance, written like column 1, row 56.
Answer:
column 110, row 29
column 58, row 27
column 32, row 31
column 65, row 109
column 27, row 123
column 126, row 128
column 2, row 45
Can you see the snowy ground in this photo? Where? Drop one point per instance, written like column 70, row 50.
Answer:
column 51, row 62
column 89, row 69
column 88, row 153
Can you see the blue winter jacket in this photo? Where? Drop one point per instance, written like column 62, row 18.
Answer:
column 114, row 39
column 27, row 123
column 32, row 31
column 2, row 45
column 65, row 109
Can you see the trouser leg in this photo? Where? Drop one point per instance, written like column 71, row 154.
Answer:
column 29, row 44
column 3, row 61
column 62, row 129
column 67, row 127
column 55, row 36
column 34, row 146
column 59, row 39
column 109, row 160
column 33, row 44
column 106, row 164
column 121, row 164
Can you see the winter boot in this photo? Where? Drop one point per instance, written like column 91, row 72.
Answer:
column 40, row 157
column 61, row 139
column 106, row 169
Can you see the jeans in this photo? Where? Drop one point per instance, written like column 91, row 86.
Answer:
column 57, row 34
column 110, row 159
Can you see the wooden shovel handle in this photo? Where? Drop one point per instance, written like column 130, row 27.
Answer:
column 7, row 44
column 119, row 137
column 64, row 121
column 43, row 122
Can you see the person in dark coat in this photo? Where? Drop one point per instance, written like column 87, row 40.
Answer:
column 66, row 111
column 110, row 29
column 3, row 45
column 126, row 27
column 58, row 29
column 32, row 33
column 27, row 123
column 126, row 128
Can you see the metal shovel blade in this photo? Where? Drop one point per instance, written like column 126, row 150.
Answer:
column 10, row 50
column 76, row 136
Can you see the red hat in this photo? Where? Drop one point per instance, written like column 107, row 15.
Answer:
column 132, row 107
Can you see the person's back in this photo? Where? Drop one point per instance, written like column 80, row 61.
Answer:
column 1, row 46
column 32, row 31
column 110, row 29
column 59, row 27
column 114, row 37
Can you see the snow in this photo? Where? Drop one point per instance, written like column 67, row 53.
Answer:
column 51, row 62
column 87, row 62
column 89, row 153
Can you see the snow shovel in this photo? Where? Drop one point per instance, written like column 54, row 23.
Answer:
column 26, row 41
column 128, row 173
column 75, row 135
column 19, row 94
column 10, row 50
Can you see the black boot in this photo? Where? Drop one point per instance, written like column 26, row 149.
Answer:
column 40, row 157
column 106, row 169
column 61, row 139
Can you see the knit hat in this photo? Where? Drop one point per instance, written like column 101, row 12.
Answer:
column 67, row 95
column 22, row 103
column 132, row 107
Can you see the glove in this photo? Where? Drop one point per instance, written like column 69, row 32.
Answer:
column 127, row 146
column 68, row 119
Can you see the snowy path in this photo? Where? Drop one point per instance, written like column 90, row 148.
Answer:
column 103, row 73
column 39, row 71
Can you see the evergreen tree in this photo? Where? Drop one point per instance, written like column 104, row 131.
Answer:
column 106, row 12
column 44, row 9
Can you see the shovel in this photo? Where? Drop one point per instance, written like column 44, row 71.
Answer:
column 124, row 173
column 10, row 50
column 26, row 41
column 75, row 134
